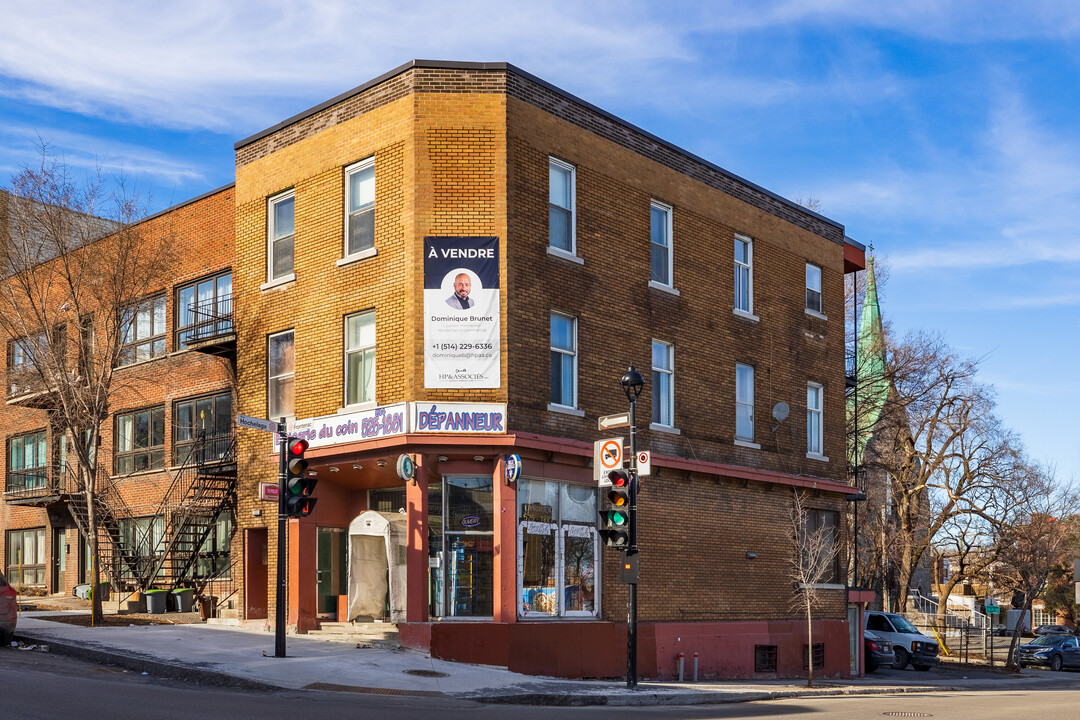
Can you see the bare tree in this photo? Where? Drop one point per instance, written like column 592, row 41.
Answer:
column 1037, row 538
column 813, row 561
column 76, row 260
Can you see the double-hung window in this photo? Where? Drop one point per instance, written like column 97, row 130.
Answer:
column 139, row 440
column 143, row 327
column 663, row 390
column 744, row 402
column 360, row 358
column 281, row 375
column 813, row 288
column 360, row 208
column 27, row 462
column 281, row 211
column 202, row 425
column 563, row 360
column 820, row 529
column 813, row 419
column 660, row 243
column 204, row 309
column 561, row 200
column 744, row 275
column 558, row 550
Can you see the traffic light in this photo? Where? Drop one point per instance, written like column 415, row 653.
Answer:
column 615, row 517
column 299, row 486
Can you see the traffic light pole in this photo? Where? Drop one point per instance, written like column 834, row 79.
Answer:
column 282, row 531
column 631, row 611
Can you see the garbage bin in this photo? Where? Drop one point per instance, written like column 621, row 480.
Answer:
column 155, row 601
column 103, row 589
column 182, row 599
column 207, row 606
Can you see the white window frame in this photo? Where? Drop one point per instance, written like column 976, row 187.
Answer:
column 359, row 349
column 561, row 530
column 270, row 378
column 740, row 439
column 573, row 353
column 819, row 311
column 271, row 203
column 657, row 398
column 815, row 447
column 571, row 254
column 669, row 285
column 748, row 266
column 346, row 256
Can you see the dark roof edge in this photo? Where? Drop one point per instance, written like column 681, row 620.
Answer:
column 179, row 205
column 854, row 243
column 454, row 65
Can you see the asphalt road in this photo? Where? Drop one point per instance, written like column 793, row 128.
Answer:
column 46, row 686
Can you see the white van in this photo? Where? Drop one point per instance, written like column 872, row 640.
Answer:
column 909, row 645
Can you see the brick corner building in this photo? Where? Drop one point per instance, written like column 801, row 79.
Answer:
column 456, row 262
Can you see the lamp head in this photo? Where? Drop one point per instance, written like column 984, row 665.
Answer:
column 632, row 383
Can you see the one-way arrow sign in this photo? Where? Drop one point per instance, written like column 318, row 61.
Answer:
column 610, row 422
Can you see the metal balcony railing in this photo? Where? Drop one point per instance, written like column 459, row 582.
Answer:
column 32, row 483
column 212, row 318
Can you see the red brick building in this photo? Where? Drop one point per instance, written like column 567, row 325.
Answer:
column 456, row 262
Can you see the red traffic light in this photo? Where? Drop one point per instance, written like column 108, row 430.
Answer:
column 619, row 478
column 297, row 446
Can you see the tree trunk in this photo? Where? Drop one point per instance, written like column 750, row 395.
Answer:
column 96, row 614
column 1017, row 629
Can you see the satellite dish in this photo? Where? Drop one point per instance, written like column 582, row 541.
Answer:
column 780, row 411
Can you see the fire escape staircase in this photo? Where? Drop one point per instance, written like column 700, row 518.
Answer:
column 202, row 488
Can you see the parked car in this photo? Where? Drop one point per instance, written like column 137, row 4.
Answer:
column 1054, row 651
column 909, row 645
column 879, row 651
column 1053, row 630
column 9, row 610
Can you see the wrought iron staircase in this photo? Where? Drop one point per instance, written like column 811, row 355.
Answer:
column 167, row 553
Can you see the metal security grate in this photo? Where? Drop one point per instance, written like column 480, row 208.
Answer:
column 765, row 658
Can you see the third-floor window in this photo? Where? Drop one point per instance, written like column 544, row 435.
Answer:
column 660, row 243
column 360, row 207
column 281, row 232
column 561, row 205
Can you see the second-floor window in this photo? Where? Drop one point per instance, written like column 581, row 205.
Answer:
column 27, row 461
column 561, row 205
column 360, row 358
column 144, row 331
column 202, row 425
column 744, row 402
column 813, row 288
column 660, row 242
column 663, row 390
column 204, row 309
column 813, row 419
column 744, row 274
column 360, row 207
column 563, row 360
column 280, row 234
column 25, row 356
column 139, row 441
column 281, row 375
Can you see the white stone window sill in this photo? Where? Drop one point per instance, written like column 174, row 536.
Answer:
column 665, row 429
column 816, row 456
column 357, row 257
column 825, row 586
column 284, row 280
column 565, row 410
column 815, row 313
column 662, row 287
column 745, row 315
column 747, row 444
column 560, row 253
column 358, row 407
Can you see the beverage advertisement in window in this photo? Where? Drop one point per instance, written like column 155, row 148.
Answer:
column 461, row 312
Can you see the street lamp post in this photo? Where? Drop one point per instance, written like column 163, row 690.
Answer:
column 632, row 383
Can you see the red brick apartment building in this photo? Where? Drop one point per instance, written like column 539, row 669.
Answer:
column 456, row 262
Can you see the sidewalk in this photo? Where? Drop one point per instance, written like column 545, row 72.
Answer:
column 243, row 657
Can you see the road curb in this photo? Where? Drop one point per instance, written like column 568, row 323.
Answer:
column 158, row 668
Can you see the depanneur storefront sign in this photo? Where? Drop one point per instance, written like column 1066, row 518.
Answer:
column 454, row 418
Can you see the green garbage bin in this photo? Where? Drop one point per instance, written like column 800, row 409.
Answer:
column 155, row 601
column 182, row 599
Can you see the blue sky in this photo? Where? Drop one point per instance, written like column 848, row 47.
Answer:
column 945, row 134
